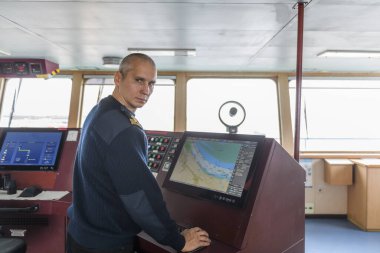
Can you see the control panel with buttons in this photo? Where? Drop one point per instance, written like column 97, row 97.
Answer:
column 161, row 148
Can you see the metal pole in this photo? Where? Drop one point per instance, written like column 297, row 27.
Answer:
column 301, row 7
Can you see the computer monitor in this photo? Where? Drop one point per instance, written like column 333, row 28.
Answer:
column 217, row 167
column 30, row 149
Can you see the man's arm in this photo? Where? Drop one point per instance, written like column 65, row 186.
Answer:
column 138, row 189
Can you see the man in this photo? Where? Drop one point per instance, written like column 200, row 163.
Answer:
column 115, row 196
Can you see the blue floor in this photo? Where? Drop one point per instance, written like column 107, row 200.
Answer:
column 338, row 236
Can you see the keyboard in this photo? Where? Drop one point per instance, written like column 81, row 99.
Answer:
column 196, row 250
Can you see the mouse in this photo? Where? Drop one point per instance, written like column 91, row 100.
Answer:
column 31, row 191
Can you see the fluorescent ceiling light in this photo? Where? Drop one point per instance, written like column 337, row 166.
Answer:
column 164, row 51
column 5, row 53
column 349, row 54
column 111, row 61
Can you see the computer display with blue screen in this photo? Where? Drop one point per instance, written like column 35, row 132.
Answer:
column 27, row 149
column 214, row 166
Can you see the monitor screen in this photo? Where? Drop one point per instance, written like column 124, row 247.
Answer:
column 215, row 166
column 30, row 149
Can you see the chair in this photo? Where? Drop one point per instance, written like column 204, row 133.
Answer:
column 12, row 245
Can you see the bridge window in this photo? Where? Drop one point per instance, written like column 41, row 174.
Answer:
column 157, row 114
column 36, row 102
column 258, row 96
column 339, row 115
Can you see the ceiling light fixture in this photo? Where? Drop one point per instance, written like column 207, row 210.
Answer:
column 5, row 53
column 164, row 51
column 349, row 54
column 111, row 61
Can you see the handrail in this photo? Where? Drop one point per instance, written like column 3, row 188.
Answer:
column 28, row 209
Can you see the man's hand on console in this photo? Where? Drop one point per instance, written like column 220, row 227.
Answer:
column 195, row 238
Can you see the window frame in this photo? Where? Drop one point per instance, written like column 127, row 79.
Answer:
column 310, row 152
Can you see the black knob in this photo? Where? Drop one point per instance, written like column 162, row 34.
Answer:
column 12, row 187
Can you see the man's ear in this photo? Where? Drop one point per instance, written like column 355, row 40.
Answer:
column 117, row 78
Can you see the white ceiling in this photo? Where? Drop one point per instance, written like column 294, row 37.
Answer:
column 235, row 35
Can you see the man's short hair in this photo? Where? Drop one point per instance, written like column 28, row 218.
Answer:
column 127, row 63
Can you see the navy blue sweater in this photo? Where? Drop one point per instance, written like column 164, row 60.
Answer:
column 115, row 195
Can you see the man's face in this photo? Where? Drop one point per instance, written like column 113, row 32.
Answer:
column 137, row 84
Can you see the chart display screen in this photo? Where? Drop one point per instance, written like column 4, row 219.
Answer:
column 214, row 166
column 30, row 150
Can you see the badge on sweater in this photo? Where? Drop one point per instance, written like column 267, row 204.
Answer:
column 134, row 121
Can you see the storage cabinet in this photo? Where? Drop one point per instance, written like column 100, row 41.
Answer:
column 364, row 195
column 338, row 171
